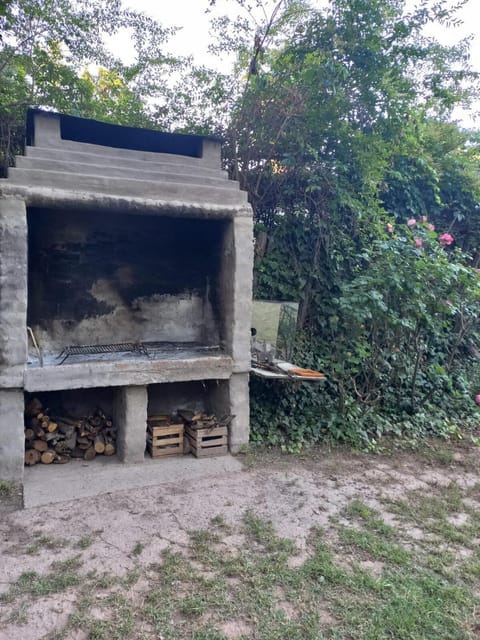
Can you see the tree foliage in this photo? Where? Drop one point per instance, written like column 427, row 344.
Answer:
column 54, row 54
column 343, row 131
column 337, row 121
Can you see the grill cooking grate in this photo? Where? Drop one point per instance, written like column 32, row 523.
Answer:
column 88, row 350
column 149, row 349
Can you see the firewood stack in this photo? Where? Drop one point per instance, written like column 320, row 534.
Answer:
column 205, row 435
column 196, row 421
column 59, row 438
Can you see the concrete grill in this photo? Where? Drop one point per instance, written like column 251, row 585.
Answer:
column 111, row 237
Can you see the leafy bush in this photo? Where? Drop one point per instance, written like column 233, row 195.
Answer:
column 399, row 346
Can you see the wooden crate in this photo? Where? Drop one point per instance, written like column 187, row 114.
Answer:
column 165, row 440
column 208, row 442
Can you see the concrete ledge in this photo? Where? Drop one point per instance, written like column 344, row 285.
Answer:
column 12, row 377
column 161, row 162
column 54, row 145
column 224, row 193
column 80, row 479
column 158, row 173
column 110, row 203
column 124, row 373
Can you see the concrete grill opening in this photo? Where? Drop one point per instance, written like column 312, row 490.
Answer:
column 128, row 279
column 125, row 279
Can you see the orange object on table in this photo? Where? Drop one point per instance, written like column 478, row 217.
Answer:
column 306, row 372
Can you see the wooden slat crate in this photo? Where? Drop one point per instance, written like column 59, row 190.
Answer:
column 165, row 440
column 208, row 442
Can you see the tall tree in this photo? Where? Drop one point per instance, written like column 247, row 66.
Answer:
column 318, row 125
column 47, row 45
column 343, row 124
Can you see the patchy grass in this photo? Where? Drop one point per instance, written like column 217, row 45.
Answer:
column 374, row 546
column 138, row 548
column 220, row 522
column 118, row 623
column 442, row 514
column 42, row 541
column 7, row 489
column 405, row 569
column 440, row 503
column 61, row 576
column 198, row 592
column 85, row 541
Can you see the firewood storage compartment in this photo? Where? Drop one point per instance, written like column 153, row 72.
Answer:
column 125, row 287
column 172, row 404
column 65, row 425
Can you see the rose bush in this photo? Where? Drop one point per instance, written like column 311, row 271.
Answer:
column 399, row 344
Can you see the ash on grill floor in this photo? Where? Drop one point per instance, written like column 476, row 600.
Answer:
column 126, row 351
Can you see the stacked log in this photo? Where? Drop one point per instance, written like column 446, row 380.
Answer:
column 56, row 439
column 206, row 434
column 201, row 420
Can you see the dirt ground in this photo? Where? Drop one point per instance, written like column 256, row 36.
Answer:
column 120, row 532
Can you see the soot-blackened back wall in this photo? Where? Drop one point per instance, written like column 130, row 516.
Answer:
column 96, row 278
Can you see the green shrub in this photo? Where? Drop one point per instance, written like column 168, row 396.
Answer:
column 398, row 344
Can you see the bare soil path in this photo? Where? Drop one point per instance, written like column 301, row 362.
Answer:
column 62, row 563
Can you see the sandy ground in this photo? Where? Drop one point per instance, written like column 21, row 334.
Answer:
column 295, row 493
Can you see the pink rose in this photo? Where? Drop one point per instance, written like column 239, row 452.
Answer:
column 389, row 227
column 431, row 227
column 423, row 218
column 418, row 243
column 477, row 398
column 411, row 223
column 446, row 239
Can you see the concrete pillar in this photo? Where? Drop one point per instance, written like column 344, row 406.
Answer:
column 242, row 294
column 47, row 130
column 236, row 291
column 130, row 415
column 211, row 153
column 12, row 439
column 236, row 303
column 231, row 396
column 240, row 408
column 13, row 291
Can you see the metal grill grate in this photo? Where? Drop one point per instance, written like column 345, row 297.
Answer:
column 88, row 350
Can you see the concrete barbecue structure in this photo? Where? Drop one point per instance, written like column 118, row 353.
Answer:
column 128, row 254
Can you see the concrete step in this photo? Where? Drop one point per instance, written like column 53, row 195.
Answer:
column 67, row 147
column 121, row 158
column 228, row 194
column 150, row 172
column 79, row 479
